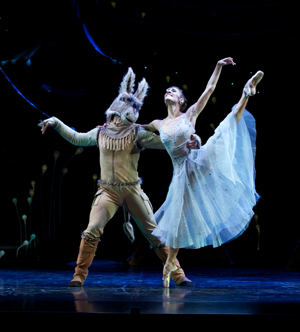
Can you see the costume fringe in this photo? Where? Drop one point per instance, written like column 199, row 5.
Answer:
column 116, row 144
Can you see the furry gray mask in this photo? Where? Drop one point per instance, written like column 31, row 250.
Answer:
column 127, row 105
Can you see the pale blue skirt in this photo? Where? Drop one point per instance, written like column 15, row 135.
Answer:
column 212, row 193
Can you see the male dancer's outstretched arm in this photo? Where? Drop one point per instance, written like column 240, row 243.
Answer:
column 69, row 134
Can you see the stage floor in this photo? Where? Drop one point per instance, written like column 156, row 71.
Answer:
column 112, row 288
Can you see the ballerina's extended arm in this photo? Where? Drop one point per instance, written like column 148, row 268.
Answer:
column 194, row 111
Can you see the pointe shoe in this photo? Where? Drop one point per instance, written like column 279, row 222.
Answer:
column 250, row 87
column 168, row 269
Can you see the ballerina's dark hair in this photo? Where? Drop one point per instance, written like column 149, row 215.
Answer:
column 184, row 104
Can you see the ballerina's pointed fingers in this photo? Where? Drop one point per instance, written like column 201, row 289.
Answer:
column 224, row 62
column 228, row 61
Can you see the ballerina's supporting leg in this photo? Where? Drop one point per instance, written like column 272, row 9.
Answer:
column 169, row 266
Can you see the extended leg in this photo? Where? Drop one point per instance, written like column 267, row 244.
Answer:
column 240, row 107
column 249, row 90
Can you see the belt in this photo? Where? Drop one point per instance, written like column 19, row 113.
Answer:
column 119, row 184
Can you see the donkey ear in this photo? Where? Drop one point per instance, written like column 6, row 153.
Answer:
column 141, row 91
column 128, row 82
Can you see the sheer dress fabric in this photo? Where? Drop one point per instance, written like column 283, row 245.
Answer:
column 212, row 192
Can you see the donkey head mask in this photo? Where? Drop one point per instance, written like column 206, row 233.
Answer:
column 127, row 105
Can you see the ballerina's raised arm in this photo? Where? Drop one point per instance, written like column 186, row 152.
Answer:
column 194, row 110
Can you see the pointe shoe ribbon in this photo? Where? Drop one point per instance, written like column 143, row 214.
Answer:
column 250, row 87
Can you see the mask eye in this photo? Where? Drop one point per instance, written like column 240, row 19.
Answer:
column 122, row 99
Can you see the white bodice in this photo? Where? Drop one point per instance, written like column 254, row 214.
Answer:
column 175, row 135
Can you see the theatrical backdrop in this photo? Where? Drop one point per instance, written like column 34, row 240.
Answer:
column 67, row 59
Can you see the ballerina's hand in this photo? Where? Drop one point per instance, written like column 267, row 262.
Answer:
column 193, row 143
column 226, row 61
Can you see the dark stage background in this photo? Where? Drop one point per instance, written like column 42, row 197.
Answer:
column 70, row 79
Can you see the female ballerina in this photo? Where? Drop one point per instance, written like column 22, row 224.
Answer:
column 212, row 192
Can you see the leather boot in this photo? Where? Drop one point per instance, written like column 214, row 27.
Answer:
column 87, row 251
column 178, row 276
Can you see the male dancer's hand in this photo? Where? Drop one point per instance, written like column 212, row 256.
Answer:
column 45, row 124
column 194, row 142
